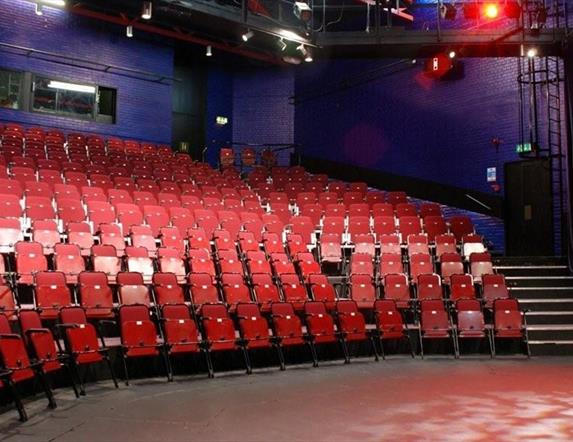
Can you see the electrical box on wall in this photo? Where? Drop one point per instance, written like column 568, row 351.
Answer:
column 491, row 174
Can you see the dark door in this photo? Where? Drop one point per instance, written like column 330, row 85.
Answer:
column 528, row 208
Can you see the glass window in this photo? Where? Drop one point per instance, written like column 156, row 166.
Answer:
column 64, row 98
column 10, row 88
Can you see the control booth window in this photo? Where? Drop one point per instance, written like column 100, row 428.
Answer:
column 11, row 89
column 63, row 98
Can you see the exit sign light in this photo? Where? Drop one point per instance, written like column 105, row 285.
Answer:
column 524, row 148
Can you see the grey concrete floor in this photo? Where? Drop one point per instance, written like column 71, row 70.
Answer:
column 399, row 399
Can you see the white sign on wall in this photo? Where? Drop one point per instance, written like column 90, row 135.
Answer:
column 491, row 174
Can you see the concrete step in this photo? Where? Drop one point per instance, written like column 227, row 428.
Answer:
column 549, row 317
column 540, row 281
column 541, row 292
column 551, row 348
column 557, row 270
column 550, row 332
column 530, row 260
column 546, row 304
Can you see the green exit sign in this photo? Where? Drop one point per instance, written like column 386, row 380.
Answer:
column 524, row 148
column 221, row 121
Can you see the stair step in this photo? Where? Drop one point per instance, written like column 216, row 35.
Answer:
column 533, row 270
column 550, row 327
column 530, row 261
column 551, row 348
column 542, row 292
column 550, row 332
column 546, row 281
column 546, row 304
column 549, row 317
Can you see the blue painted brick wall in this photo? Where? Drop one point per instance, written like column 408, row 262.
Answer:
column 409, row 125
column 261, row 110
column 219, row 103
column 143, row 107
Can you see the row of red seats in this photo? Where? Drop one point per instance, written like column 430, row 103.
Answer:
column 419, row 264
column 395, row 286
column 179, row 331
column 13, row 134
column 331, row 245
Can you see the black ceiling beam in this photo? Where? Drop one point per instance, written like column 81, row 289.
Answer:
column 399, row 42
column 254, row 22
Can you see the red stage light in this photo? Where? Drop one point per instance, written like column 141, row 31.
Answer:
column 491, row 10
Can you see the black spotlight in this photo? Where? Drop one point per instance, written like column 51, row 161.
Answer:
column 448, row 11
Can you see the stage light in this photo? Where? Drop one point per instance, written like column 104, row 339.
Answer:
column 452, row 54
column 129, row 31
column 302, row 11
column 308, row 58
column 471, row 11
column 448, row 11
column 38, row 9
column 512, row 10
column 289, row 35
column 532, row 52
column 247, row 35
column 209, row 51
column 491, row 10
column 282, row 44
column 146, row 10
column 291, row 60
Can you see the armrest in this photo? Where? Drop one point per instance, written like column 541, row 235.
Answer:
column 10, row 336
column 70, row 325
column 36, row 330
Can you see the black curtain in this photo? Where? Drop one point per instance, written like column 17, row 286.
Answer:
column 568, row 60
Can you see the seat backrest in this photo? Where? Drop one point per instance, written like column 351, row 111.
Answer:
column 385, row 305
column 314, row 308
column 67, row 250
column 73, row 315
column 129, row 278
column 164, row 279
column 506, row 304
column 249, row 310
column 50, row 279
column 494, row 286
column 28, row 248
column 136, row 252
column 346, row 306
column 468, row 305
column 214, row 311
column 175, row 311
column 92, row 278
column 282, row 309
column 480, row 257
column 29, row 319
column 103, row 250
column 290, row 279
column 133, row 313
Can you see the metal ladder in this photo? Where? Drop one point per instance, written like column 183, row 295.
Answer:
column 553, row 93
column 541, row 85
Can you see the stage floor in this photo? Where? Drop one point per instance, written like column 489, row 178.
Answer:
column 397, row 399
